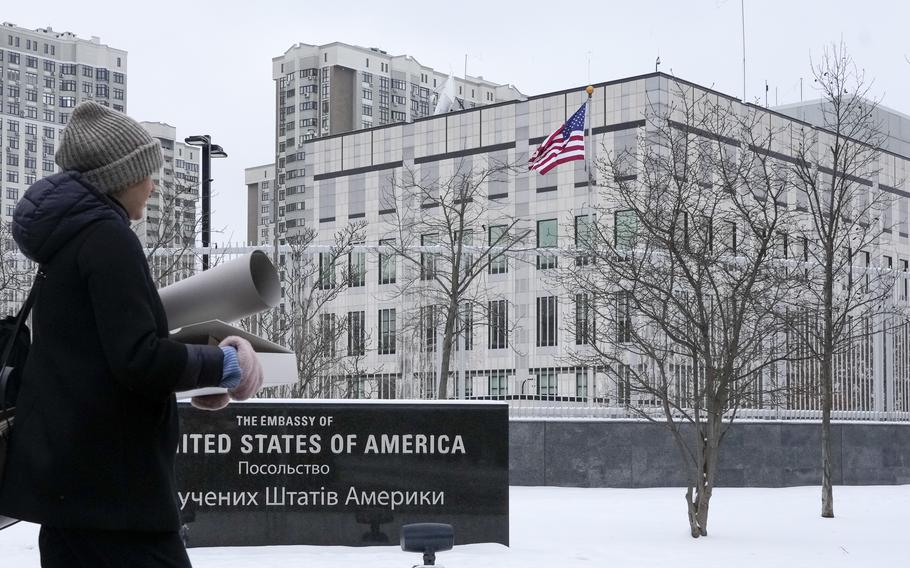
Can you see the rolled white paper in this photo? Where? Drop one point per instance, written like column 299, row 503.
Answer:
column 228, row 292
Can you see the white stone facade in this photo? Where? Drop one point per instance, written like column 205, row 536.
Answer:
column 346, row 178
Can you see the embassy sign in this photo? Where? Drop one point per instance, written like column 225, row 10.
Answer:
column 342, row 473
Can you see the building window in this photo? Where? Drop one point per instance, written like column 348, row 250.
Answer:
column 356, row 335
column 387, row 324
column 366, row 110
column 357, row 269
column 428, row 328
column 118, row 94
column 498, row 327
column 101, row 90
column 50, row 66
column 582, row 240
column 905, row 268
column 427, row 259
column 466, row 316
column 625, row 227
column 546, row 238
column 497, row 383
column 49, row 98
column 584, row 320
column 623, row 317
column 326, row 330
column 581, row 383
column 67, row 102
column 624, row 385
column 102, row 75
column 326, row 272
column 118, row 78
column 31, row 129
column 496, row 237
column 546, row 382
column 88, row 71
column 31, row 62
column 386, row 264
column 546, row 321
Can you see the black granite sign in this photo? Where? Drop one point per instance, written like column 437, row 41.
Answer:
column 351, row 474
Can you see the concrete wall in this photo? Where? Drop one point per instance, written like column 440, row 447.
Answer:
column 641, row 454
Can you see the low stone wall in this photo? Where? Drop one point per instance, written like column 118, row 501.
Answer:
column 642, row 454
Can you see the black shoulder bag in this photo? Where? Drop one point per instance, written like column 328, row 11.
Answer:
column 16, row 339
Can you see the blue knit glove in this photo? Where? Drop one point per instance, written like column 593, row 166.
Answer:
column 231, row 373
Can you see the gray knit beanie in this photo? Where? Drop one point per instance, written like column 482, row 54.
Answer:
column 111, row 150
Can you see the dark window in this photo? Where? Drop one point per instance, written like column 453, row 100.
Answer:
column 386, row 264
column 356, row 335
column 498, row 311
column 357, row 269
column 546, row 321
column 584, row 320
column 387, row 323
column 326, row 271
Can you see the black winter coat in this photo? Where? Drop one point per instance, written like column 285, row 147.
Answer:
column 95, row 437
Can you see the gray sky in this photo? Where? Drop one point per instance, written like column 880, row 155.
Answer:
column 205, row 67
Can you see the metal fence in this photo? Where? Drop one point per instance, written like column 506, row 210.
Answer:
column 872, row 382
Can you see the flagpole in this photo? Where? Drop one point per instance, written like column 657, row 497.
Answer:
column 589, row 140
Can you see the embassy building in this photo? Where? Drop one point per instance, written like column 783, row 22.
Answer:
column 517, row 347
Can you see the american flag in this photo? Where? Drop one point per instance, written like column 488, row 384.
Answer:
column 564, row 145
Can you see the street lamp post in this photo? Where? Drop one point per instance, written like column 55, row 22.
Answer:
column 209, row 151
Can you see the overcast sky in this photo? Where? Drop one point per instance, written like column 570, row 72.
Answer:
column 205, row 67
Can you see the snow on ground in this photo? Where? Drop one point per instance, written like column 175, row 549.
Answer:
column 625, row 528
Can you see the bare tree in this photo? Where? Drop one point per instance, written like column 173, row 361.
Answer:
column 170, row 230
column 312, row 277
column 450, row 230
column 16, row 272
column 680, row 277
column 834, row 171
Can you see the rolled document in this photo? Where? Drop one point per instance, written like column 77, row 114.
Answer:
column 228, row 292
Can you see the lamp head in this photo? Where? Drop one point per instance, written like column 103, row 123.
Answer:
column 198, row 140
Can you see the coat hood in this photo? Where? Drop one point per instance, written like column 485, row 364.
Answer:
column 55, row 209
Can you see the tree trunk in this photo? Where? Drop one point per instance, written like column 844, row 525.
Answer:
column 447, row 342
column 827, row 396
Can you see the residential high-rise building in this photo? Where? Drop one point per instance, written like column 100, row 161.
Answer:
column 171, row 215
column 43, row 75
column 260, row 183
column 323, row 90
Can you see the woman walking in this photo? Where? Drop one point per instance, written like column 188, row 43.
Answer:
column 93, row 447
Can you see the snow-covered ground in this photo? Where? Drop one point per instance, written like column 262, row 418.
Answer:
column 623, row 528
